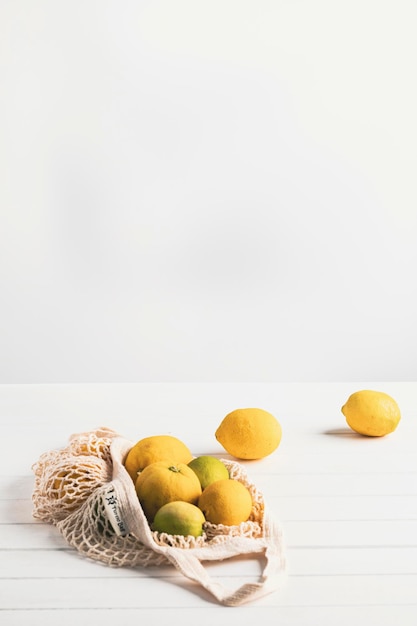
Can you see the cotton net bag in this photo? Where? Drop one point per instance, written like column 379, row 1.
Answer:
column 86, row 492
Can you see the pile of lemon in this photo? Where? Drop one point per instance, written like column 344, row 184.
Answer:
column 179, row 493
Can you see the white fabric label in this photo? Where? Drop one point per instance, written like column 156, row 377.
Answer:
column 112, row 509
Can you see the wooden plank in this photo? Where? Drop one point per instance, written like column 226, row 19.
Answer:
column 17, row 512
column 338, row 484
column 14, row 487
column 30, row 536
column 349, row 534
column 344, row 508
column 209, row 613
column 352, row 561
column 300, row 561
column 130, row 593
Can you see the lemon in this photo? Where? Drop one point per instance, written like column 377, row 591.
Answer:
column 179, row 518
column 163, row 482
column 249, row 433
column 208, row 469
column 226, row 502
column 372, row 413
column 155, row 448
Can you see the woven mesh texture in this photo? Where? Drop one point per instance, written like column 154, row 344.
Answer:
column 96, row 443
column 65, row 478
column 70, row 488
column 91, row 533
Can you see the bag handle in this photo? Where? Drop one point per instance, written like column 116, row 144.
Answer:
column 272, row 575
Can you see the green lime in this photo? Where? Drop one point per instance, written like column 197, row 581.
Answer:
column 179, row 518
column 208, row 469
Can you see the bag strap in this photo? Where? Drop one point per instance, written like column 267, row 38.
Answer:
column 272, row 575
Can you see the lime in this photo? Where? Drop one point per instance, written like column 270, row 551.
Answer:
column 208, row 469
column 179, row 518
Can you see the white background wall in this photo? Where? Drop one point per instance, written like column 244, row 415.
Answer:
column 219, row 190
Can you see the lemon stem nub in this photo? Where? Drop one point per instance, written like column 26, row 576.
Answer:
column 173, row 468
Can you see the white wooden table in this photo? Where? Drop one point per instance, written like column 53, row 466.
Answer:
column 347, row 506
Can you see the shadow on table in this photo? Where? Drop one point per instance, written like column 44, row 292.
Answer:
column 342, row 432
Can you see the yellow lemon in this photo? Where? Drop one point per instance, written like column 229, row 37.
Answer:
column 179, row 518
column 208, row 469
column 226, row 502
column 155, row 448
column 163, row 482
column 249, row 433
column 372, row 413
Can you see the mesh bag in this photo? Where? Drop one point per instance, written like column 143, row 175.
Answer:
column 85, row 490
